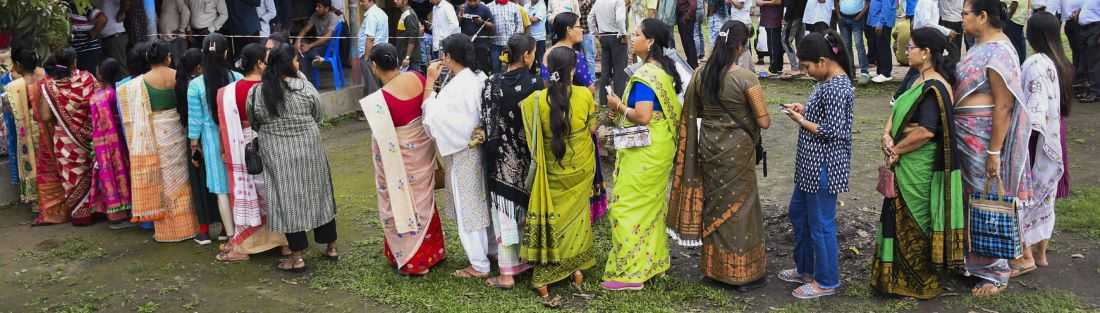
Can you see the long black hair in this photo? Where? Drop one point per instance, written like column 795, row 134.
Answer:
column 1043, row 36
column 459, row 48
column 730, row 39
column 109, row 72
column 187, row 66
column 934, row 40
column 280, row 65
column 251, row 55
column 815, row 46
column 996, row 10
column 216, row 71
column 559, row 26
column 561, row 62
column 135, row 59
column 660, row 34
column 61, row 64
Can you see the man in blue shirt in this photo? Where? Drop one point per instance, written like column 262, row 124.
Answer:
column 374, row 30
column 880, row 19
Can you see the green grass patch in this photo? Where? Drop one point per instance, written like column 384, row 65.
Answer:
column 1047, row 300
column 1080, row 212
column 837, row 305
column 64, row 250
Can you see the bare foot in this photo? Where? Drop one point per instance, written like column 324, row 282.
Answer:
column 501, row 282
column 1039, row 251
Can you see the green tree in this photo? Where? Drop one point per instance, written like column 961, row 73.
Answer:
column 44, row 24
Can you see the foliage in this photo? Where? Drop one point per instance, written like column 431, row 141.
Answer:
column 44, row 24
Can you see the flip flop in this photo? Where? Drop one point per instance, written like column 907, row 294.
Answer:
column 551, row 302
column 792, row 276
column 809, row 291
column 494, row 282
column 469, row 273
column 225, row 257
column 980, row 286
column 1021, row 271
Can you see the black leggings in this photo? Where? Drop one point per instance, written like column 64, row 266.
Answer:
column 325, row 234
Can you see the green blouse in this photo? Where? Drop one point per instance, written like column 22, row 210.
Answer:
column 161, row 99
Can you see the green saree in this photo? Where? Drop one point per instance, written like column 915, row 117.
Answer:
column 640, row 196
column 922, row 229
column 558, row 236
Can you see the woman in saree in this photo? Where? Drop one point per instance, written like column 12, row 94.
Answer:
column 66, row 98
column 404, row 176
column 922, row 233
column 158, row 157
column 285, row 112
column 110, row 173
column 558, row 124
column 209, row 174
column 506, row 156
column 991, row 124
column 639, row 202
column 723, row 157
column 252, row 234
column 18, row 94
column 451, row 116
column 1046, row 77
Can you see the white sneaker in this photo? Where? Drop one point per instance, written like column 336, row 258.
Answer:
column 864, row 78
column 881, row 79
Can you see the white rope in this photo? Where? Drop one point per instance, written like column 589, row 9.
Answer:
column 335, row 37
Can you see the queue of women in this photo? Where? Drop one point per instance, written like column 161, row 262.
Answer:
column 188, row 142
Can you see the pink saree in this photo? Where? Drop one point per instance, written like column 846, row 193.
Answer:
column 110, row 192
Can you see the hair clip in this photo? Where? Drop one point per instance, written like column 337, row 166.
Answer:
column 836, row 50
column 211, row 48
column 555, row 77
column 724, row 34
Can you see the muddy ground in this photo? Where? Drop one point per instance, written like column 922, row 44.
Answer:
column 92, row 269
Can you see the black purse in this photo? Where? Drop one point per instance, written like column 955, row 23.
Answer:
column 252, row 161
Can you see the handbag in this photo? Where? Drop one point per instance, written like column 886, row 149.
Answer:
column 994, row 224
column 252, row 161
column 630, row 137
column 886, row 185
column 533, row 134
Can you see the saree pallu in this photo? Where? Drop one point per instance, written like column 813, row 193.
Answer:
column 69, row 101
column 1042, row 101
column 639, row 201
column 922, row 231
column 110, row 192
column 733, row 223
column 146, row 183
column 422, row 248
column 26, row 139
column 558, row 235
column 178, row 222
column 252, row 234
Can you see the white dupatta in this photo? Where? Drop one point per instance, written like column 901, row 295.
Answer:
column 234, row 136
column 389, row 150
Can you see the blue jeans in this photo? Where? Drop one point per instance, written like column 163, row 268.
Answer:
column 715, row 20
column 850, row 29
column 494, row 58
column 589, row 47
column 813, row 216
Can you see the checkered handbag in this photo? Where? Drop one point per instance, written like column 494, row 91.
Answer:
column 994, row 224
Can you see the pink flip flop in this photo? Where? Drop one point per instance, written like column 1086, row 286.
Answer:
column 617, row 286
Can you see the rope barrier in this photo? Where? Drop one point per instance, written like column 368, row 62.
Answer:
column 336, row 37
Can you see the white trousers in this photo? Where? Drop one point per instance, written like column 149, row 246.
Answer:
column 476, row 244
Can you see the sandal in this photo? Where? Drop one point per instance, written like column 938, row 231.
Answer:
column 331, row 253
column 792, row 276
column 981, row 290
column 494, row 282
column 231, row 257
column 578, row 280
column 618, row 286
column 551, row 302
column 469, row 272
column 298, row 266
column 1022, row 270
column 812, row 291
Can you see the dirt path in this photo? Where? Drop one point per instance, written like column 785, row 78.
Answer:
column 66, row 269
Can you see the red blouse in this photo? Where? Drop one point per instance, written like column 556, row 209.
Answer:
column 243, row 86
column 404, row 111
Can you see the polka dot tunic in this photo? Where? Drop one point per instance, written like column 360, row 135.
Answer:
column 830, row 107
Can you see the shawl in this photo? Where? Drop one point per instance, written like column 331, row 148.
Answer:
column 504, row 151
column 389, row 148
column 146, row 182
column 26, row 129
column 243, row 198
column 452, row 114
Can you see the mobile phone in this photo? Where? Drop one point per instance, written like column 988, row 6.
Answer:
column 609, row 90
column 783, row 108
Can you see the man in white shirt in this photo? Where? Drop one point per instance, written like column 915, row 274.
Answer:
column 113, row 35
column 444, row 23
column 207, row 17
column 951, row 17
column 266, row 11
column 818, row 15
column 607, row 20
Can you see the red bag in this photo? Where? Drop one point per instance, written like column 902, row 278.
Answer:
column 886, row 184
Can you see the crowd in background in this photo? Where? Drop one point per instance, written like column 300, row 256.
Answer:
column 500, row 103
